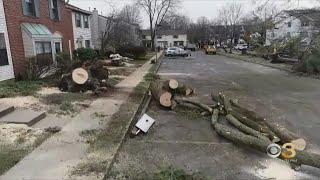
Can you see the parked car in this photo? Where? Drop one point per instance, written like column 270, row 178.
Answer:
column 211, row 50
column 241, row 46
column 191, row 47
column 176, row 51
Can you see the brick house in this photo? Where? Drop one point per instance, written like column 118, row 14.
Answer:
column 38, row 28
column 81, row 23
column 6, row 68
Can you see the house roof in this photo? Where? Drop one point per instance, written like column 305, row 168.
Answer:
column 36, row 29
column 306, row 14
column 77, row 9
column 164, row 32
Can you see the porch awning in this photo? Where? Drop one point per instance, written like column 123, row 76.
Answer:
column 36, row 30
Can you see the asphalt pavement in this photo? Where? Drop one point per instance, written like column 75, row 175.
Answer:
column 181, row 140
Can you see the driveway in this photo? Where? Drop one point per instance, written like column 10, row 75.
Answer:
column 187, row 142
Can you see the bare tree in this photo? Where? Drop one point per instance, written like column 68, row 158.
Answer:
column 130, row 14
column 156, row 11
column 176, row 21
column 230, row 16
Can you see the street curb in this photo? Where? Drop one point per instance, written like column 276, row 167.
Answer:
column 145, row 101
column 238, row 58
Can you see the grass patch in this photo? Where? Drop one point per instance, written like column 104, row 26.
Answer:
column 189, row 113
column 171, row 173
column 107, row 140
column 167, row 173
column 114, row 80
column 10, row 155
column 60, row 98
column 63, row 103
column 147, row 57
column 11, row 88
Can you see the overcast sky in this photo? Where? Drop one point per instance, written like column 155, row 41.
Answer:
column 192, row 8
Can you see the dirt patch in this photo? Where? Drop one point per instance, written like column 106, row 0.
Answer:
column 22, row 102
column 16, row 142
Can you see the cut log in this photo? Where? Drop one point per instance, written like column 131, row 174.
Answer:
column 240, row 138
column 173, row 84
column 301, row 158
column 162, row 96
column 225, row 101
column 184, row 90
column 299, row 144
column 252, row 124
column 200, row 105
column 235, row 122
column 215, row 117
column 284, row 134
column 80, row 76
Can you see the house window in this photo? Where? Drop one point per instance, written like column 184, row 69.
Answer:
column 78, row 20
column 57, row 46
column 159, row 37
column 175, row 36
column 43, row 54
column 88, row 43
column 144, row 37
column 29, row 8
column 79, row 43
column 54, row 10
column 289, row 24
column 3, row 51
column 86, row 21
column 305, row 23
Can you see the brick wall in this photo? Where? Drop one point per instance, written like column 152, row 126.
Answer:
column 14, row 17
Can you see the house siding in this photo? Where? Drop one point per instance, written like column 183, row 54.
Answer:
column 15, row 17
column 6, row 72
column 79, row 32
column 98, row 27
column 281, row 30
column 169, row 39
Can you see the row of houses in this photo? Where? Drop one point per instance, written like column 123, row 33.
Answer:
column 295, row 23
column 43, row 28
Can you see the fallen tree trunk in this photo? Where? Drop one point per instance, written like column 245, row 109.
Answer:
column 215, row 117
column 252, row 124
column 240, row 138
column 235, row 122
column 200, row 105
column 284, row 134
column 301, row 158
column 162, row 96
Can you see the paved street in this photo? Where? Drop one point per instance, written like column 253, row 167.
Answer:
column 189, row 143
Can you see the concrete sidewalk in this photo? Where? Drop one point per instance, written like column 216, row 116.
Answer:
column 58, row 155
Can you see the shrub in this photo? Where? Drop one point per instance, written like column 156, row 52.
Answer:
column 65, row 64
column 132, row 51
column 32, row 70
column 310, row 63
column 85, row 54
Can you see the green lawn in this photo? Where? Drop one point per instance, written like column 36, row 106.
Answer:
column 11, row 88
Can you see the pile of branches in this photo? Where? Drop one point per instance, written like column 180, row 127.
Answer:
column 248, row 129
column 96, row 81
